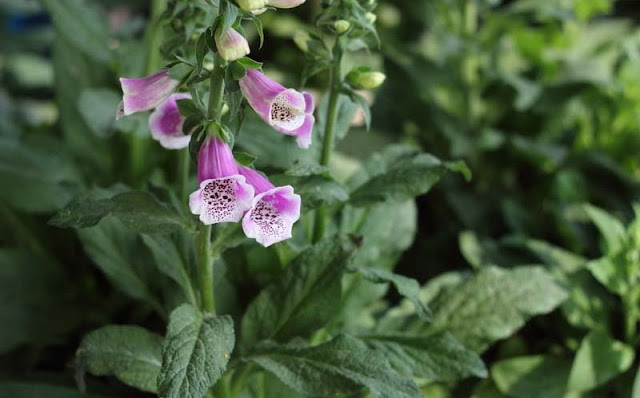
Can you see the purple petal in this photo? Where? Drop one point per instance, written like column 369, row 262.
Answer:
column 309, row 102
column 287, row 111
column 259, row 183
column 221, row 200
column 260, row 92
column 215, row 160
column 165, row 123
column 143, row 94
column 272, row 216
column 304, row 132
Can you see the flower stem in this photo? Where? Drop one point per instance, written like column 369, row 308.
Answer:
column 335, row 76
column 184, row 163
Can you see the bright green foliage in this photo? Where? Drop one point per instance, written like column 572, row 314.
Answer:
column 532, row 376
column 131, row 353
column 342, row 365
column 195, row 353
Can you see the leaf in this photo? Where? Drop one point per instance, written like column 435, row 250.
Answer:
column 401, row 177
column 599, row 359
column 81, row 26
column 611, row 273
column 19, row 389
column 495, row 303
column 636, row 385
column 131, row 353
column 138, row 210
column 539, row 376
column 97, row 107
column 315, row 190
column 169, row 262
column 303, row 299
column 407, row 287
column 340, row 366
column 195, row 352
column 434, row 358
column 612, row 230
column 34, row 179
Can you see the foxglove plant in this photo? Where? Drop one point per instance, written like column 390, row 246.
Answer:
column 232, row 45
column 165, row 123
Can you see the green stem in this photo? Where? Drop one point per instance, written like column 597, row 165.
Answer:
column 335, row 81
column 205, row 267
column 153, row 37
column 216, row 93
column 184, row 163
column 630, row 303
column 239, row 379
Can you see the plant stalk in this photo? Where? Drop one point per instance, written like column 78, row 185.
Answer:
column 184, row 164
column 335, row 76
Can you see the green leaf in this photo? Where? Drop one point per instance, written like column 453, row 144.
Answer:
column 434, row 358
column 340, row 366
column 537, row 376
column 195, row 353
column 612, row 230
column 611, row 273
column 407, row 177
column 303, row 299
column 407, row 287
column 140, row 211
column 78, row 23
column 170, row 262
column 495, row 303
column 34, row 179
column 636, row 385
column 16, row 389
column 131, row 353
column 315, row 190
column 97, row 107
column 598, row 360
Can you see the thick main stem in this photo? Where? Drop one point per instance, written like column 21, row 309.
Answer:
column 205, row 255
column 322, row 214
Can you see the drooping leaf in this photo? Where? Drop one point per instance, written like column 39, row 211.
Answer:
column 407, row 287
column 303, row 299
column 131, row 353
column 342, row 365
column 495, row 303
column 611, row 273
column 195, row 352
column 611, row 228
column 599, row 359
column 536, row 376
column 138, row 210
column 433, row 358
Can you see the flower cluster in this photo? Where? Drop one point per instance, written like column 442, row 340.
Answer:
column 228, row 191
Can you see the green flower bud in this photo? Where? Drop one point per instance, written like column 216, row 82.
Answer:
column 252, row 5
column 371, row 17
column 341, row 26
column 364, row 78
column 302, row 38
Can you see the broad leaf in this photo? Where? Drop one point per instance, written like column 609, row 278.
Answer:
column 432, row 358
column 340, row 366
column 19, row 389
column 611, row 228
column 532, row 377
column 303, row 299
column 495, row 303
column 195, row 353
column 315, row 190
column 131, row 353
column 407, row 287
column 138, row 210
column 599, row 359
column 611, row 272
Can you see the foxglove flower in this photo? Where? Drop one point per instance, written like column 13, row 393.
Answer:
column 146, row 93
column 224, row 194
column 284, row 3
column 232, row 45
column 165, row 123
column 286, row 110
column 273, row 211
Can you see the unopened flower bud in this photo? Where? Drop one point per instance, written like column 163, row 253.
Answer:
column 284, row 3
column 251, row 5
column 232, row 45
column 302, row 38
column 341, row 26
column 361, row 78
column 371, row 17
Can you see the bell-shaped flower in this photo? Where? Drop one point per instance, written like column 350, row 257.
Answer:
column 273, row 211
column 224, row 195
column 284, row 3
column 165, row 123
column 286, row 110
column 146, row 93
column 232, row 45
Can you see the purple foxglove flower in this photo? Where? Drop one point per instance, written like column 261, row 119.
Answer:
column 284, row 3
column 232, row 45
column 286, row 110
column 143, row 94
column 165, row 123
column 224, row 194
column 273, row 211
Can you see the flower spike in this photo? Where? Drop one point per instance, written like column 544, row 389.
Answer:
column 146, row 93
column 273, row 211
column 286, row 110
column 224, row 195
column 165, row 123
